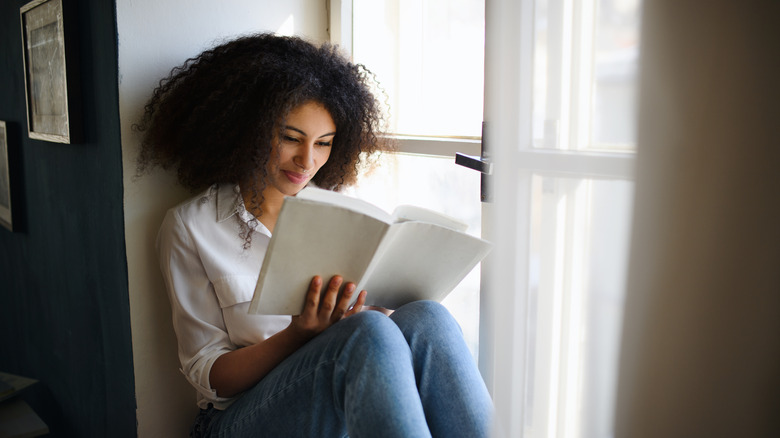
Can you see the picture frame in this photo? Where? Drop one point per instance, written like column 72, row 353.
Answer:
column 46, row 79
column 6, row 216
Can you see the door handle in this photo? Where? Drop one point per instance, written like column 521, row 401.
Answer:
column 481, row 164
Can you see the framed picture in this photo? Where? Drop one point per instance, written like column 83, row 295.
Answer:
column 46, row 83
column 5, row 180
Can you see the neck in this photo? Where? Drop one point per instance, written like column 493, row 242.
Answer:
column 270, row 204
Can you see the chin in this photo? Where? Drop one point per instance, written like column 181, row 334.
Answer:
column 292, row 191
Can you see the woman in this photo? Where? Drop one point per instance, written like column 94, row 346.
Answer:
column 246, row 124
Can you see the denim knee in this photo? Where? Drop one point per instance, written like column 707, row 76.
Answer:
column 424, row 316
column 371, row 324
column 426, row 309
column 372, row 336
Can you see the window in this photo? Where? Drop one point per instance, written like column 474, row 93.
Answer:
column 565, row 135
column 560, row 80
column 428, row 57
column 585, row 63
column 578, row 252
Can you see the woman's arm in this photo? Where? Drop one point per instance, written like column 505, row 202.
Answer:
column 239, row 370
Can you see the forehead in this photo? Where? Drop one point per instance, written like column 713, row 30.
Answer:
column 310, row 116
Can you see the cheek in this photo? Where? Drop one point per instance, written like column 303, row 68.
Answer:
column 322, row 156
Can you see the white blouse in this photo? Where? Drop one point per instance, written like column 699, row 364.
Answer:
column 210, row 279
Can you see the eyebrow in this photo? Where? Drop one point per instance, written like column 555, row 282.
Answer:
column 293, row 128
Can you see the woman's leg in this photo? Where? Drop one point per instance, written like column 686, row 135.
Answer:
column 355, row 378
column 454, row 396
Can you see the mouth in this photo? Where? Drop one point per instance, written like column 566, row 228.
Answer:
column 295, row 177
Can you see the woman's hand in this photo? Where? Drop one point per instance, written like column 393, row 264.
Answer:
column 240, row 369
column 323, row 310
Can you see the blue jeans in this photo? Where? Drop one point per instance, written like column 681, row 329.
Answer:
column 409, row 375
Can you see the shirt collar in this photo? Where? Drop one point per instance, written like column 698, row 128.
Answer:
column 229, row 202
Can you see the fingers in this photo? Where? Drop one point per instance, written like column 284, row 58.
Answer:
column 343, row 303
column 358, row 306
column 313, row 296
column 328, row 300
column 324, row 309
column 334, row 306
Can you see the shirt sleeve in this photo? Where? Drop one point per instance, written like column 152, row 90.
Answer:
column 197, row 318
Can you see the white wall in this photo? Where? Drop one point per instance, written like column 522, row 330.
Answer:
column 154, row 36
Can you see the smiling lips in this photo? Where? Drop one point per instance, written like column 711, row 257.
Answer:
column 295, row 177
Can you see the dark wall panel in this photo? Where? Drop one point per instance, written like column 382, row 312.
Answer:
column 64, row 306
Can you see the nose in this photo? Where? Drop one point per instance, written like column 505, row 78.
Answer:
column 304, row 158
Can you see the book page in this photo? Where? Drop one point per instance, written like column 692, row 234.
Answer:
column 348, row 202
column 313, row 239
column 405, row 213
column 421, row 261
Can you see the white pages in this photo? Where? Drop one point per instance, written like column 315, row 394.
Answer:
column 411, row 255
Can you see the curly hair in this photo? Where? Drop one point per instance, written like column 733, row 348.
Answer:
column 213, row 119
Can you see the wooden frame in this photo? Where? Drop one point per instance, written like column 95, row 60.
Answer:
column 5, row 180
column 46, row 84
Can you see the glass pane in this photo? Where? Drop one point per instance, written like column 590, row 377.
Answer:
column 578, row 259
column 441, row 185
column 616, row 59
column 584, row 74
column 428, row 55
column 544, row 124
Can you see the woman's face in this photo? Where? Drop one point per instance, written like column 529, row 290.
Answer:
column 304, row 147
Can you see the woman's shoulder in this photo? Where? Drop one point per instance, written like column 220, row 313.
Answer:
column 207, row 208
column 211, row 200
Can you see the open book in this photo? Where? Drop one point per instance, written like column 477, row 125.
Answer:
column 413, row 254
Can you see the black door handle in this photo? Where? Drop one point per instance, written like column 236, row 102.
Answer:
column 481, row 164
column 477, row 163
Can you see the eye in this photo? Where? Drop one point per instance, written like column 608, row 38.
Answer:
column 289, row 139
column 324, row 143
